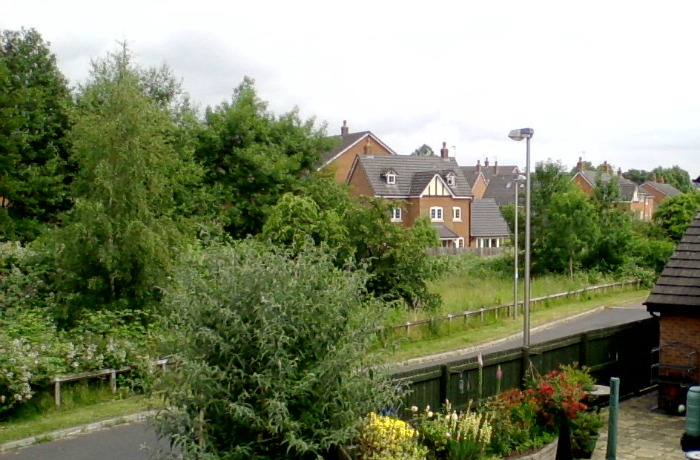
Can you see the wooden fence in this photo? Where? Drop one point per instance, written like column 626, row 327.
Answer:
column 111, row 373
column 621, row 351
column 464, row 319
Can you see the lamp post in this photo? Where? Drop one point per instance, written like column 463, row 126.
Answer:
column 519, row 135
column 516, row 182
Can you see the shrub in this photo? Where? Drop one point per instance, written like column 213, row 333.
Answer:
column 386, row 438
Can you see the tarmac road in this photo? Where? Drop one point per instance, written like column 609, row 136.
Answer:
column 126, row 442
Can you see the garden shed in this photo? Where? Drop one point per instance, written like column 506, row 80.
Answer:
column 676, row 300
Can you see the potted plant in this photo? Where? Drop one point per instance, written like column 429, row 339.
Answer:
column 585, row 429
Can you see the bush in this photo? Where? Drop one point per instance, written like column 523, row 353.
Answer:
column 272, row 346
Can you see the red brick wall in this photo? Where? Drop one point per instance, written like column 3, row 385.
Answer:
column 679, row 335
column 341, row 165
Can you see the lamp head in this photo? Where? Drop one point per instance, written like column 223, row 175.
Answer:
column 522, row 133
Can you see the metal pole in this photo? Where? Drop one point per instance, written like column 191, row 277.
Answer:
column 613, row 414
column 515, row 276
column 526, row 304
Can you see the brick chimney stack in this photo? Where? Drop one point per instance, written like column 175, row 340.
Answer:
column 579, row 165
column 486, row 162
column 495, row 167
column 444, row 152
column 606, row 167
column 478, row 165
column 344, row 129
column 367, row 147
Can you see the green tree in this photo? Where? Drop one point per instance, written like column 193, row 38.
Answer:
column 323, row 212
column 274, row 350
column 423, row 151
column 119, row 241
column 674, row 176
column 35, row 108
column 252, row 157
column 675, row 214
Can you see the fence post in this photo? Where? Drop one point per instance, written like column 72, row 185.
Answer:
column 113, row 381
column 481, row 314
column 57, row 392
column 408, row 325
column 444, row 381
column 583, row 350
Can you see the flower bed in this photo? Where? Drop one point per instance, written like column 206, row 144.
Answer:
column 521, row 424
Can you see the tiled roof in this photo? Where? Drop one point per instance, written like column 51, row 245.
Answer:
column 627, row 187
column 501, row 188
column 489, row 171
column 678, row 287
column 345, row 142
column 487, row 220
column 471, row 176
column 412, row 174
column 667, row 189
column 444, row 232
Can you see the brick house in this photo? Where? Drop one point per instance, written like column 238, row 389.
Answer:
column 660, row 191
column 632, row 198
column 420, row 186
column 348, row 146
column 676, row 300
column 481, row 176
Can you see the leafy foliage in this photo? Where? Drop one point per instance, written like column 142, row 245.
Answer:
column 119, row 241
column 35, row 108
column 274, row 349
column 424, row 151
column 252, row 157
column 675, row 214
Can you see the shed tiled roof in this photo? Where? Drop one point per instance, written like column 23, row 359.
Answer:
column 412, row 174
column 487, row 220
column 678, row 288
column 667, row 189
column 444, row 232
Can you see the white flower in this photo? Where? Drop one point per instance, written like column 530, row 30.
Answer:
column 414, row 408
column 430, row 414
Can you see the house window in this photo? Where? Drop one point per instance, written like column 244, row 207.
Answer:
column 391, row 178
column 396, row 214
column 457, row 214
column 450, row 179
column 436, row 213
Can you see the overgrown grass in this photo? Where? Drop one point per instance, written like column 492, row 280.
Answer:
column 81, row 403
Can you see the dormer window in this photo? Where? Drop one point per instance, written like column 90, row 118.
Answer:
column 390, row 177
column 450, row 179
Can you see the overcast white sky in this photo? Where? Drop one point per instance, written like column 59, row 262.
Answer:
column 606, row 80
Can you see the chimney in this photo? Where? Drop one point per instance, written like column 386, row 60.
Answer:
column 478, row 165
column 367, row 145
column 486, row 162
column 444, row 152
column 579, row 165
column 344, row 129
column 495, row 167
column 653, row 178
column 619, row 172
column 606, row 167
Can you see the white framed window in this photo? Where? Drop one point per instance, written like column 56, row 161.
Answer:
column 390, row 178
column 450, row 179
column 457, row 214
column 396, row 214
column 436, row 213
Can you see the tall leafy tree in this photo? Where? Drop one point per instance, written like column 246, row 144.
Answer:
column 423, row 151
column 252, row 157
column 675, row 214
column 35, row 108
column 675, row 176
column 120, row 240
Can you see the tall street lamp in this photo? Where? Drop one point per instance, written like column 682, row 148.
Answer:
column 516, row 182
column 519, row 135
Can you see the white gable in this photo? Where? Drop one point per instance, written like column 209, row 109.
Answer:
column 436, row 187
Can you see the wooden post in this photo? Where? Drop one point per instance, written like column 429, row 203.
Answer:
column 444, row 382
column 113, row 381
column 57, row 392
